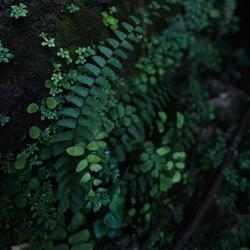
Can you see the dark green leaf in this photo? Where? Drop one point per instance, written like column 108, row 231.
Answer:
column 20, row 200
column 34, row 183
column 65, row 136
column 70, row 112
column 120, row 34
column 59, row 233
column 61, row 247
column 135, row 20
column 165, row 183
column 75, row 100
column 92, row 68
column 100, row 61
column 180, row 120
column 81, row 91
column 113, row 42
column 106, row 51
column 34, row 132
column 100, row 229
column 85, row 246
column 78, row 238
column 10, row 186
column 77, row 221
column 67, row 123
column 127, row 45
column 127, row 26
column 114, row 62
column 85, row 79
column 112, row 220
column 121, row 54
column 21, row 161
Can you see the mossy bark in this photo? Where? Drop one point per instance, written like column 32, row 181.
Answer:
column 21, row 80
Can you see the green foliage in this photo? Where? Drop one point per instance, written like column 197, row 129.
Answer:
column 120, row 155
column 4, row 120
column 73, row 8
column 32, row 108
column 64, row 54
column 108, row 18
column 34, row 132
column 47, row 41
column 5, row 54
column 83, row 53
column 18, row 11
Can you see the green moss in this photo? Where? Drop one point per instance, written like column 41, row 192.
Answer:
column 82, row 29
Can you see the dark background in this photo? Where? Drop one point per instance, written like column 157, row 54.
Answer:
column 242, row 39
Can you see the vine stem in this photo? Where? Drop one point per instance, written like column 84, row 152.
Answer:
column 233, row 152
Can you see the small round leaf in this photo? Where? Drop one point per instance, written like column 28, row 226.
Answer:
column 100, row 229
column 34, row 132
column 20, row 162
column 51, row 102
column 112, row 220
column 34, row 183
column 32, row 108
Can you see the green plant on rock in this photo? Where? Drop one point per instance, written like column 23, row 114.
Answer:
column 86, row 102
column 64, row 54
column 5, row 54
column 117, row 160
column 83, row 53
column 108, row 18
column 19, row 11
column 72, row 8
column 4, row 120
column 47, row 41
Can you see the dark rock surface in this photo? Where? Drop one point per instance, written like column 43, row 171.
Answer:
column 22, row 80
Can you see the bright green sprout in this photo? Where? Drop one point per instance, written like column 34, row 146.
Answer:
column 47, row 41
column 64, row 54
column 18, row 11
column 83, row 53
column 109, row 20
